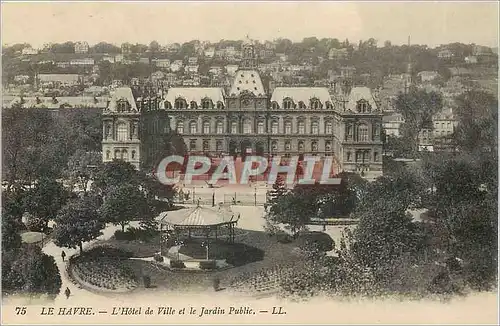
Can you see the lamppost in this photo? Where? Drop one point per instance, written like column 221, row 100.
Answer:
column 206, row 244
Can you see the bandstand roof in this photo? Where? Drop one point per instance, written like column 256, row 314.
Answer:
column 198, row 216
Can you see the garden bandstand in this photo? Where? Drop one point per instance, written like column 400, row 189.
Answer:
column 198, row 222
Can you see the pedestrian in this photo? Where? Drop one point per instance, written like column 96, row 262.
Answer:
column 63, row 255
column 67, row 292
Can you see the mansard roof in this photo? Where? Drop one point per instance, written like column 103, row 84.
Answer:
column 301, row 94
column 196, row 94
column 247, row 80
column 122, row 93
column 360, row 93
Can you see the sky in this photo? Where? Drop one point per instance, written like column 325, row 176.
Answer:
column 430, row 23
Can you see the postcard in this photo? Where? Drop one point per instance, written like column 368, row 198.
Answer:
column 249, row 162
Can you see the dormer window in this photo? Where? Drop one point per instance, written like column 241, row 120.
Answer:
column 122, row 106
column 206, row 104
column 329, row 105
column 288, row 104
column 180, row 103
column 220, row 105
column 315, row 104
column 302, row 106
column 168, row 105
column 362, row 106
column 193, row 105
column 275, row 106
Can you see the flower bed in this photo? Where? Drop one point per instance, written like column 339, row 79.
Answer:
column 265, row 280
column 105, row 274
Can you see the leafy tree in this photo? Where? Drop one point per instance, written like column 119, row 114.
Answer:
column 77, row 222
column 478, row 117
column 417, row 107
column 279, row 189
column 125, row 203
column 113, row 174
column 11, row 238
column 45, row 200
column 81, row 166
column 28, row 270
column 104, row 47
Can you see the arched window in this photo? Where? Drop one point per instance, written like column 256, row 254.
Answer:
column 274, row 127
column 220, row 105
column 206, row 104
column 302, row 106
column 314, row 146
column 275, row 105
column 362, row 106
column 362, row 132
column 315, row 128
column 206, row 127
column 180, row 127
column 234, row 127
column 274, row 145
column 247, row 126
column 218, row 146
column 220, row 127
column 168, row 105
column 193, row 127
column 133, row 155
column 180, row 103
column 122, row 132
column 288, row 127
column 328, row 128
column 315, row 104
column 288, row 145
column 328, row 146
column 329, row 105
column 301, row 127
column 124, row 155
column 206, row 145
column 260, row 127
column 117, row 154
column 193, row 105
column 287, row 104
column 108, row 154
column 301, row 145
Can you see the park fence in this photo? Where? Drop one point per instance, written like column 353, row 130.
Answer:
column 245, row 199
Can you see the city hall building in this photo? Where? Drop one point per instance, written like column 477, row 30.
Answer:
column 343, row 122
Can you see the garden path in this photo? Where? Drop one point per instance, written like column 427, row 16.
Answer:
column 78, row 294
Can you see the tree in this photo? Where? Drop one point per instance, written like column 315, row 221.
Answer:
column 417, row 107
column 114, row 173
column 279, row 189
column 11, row 238
column 28, row 270
column 77, row 222
column 125, row 203
column 104, row 47
column 44, row 200
column 80, row 168
column 478, row 116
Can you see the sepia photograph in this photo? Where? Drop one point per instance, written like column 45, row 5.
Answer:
column 249, row 162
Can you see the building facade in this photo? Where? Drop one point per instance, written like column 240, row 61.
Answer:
column 344, row 122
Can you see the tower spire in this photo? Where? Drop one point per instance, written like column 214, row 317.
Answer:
column 409, row 68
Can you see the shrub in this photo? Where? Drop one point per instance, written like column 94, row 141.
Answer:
column 283, row 237
column 177, row 264
column 208, row 264
column 127, row 236
column 158, row 258
column 240, row 254
column 314, row 240
column 109, row 252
